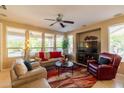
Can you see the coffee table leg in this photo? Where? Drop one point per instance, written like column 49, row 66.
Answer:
column 58, row 71
column 72, row 70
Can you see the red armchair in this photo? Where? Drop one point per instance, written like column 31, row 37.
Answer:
column 104, row 71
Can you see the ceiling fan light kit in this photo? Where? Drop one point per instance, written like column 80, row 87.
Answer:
column 60, row 20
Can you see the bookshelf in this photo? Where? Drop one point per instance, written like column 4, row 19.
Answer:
column 88, row 46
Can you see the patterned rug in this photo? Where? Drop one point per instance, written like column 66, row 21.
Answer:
column 80, row 78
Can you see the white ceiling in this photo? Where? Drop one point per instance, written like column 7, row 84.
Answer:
column 80, row 14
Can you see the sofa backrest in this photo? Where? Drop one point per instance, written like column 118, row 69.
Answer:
column 12, row 72
column 114, row 58
column 17, row 69
column 48, row 54
column 116, row 62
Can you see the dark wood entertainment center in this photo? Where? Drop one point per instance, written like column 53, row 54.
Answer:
column 88, row 45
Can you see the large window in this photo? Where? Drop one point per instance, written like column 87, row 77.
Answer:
column 35, row 42
column 70, row 47
column 116, row 40
column 59, row 40
column 15, row 42
column 49, row 42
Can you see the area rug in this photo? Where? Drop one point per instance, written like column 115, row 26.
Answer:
column 80, row 79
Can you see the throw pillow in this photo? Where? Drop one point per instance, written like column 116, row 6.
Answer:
column 103, row 60
column 52, row 54
column 42, row 56
column 20, row 67
column 28, row 65
column 59, row 54
column 55, row 54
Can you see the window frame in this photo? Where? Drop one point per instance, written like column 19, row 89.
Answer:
column 72, row 51
column 53, row 47
column 23, row 49
column 31, row 48
column 61, row 42
column 109, row 38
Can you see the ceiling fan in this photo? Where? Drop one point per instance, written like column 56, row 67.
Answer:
column 3, row 7
column 60, row 20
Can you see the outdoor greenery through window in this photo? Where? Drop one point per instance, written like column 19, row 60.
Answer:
column 116, row 40
column 59, row 40
column 49, row 42
column 15, row 42
column 35, row 42
column 18, row 41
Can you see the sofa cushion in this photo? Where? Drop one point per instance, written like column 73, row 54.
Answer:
column 103, row 60
column 44, row 59
column 36, row 71
column 28, row 65
column 54, row 59
column 13, row 75
column 42, row 56
column 20, row 67
column 48, row 61
column 35, row 65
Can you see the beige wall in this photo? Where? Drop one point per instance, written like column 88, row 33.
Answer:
column 0, row 47
column 7, row 61
column 91, row 33
column 104, row 25
column 121, row 68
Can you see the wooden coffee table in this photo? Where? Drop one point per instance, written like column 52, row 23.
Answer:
column 60, row 65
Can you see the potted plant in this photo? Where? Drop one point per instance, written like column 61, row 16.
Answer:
column 65, row 44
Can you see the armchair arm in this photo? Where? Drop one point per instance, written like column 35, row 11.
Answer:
column 105, row 66
column 63, row 56
column 43, row 72
column 91, row 61
column 105, row 71
column 38, row 59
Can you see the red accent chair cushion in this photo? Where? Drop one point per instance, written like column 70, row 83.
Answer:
column 104, row 71
column 42, row 56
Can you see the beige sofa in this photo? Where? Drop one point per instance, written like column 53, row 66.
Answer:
column 38, row 72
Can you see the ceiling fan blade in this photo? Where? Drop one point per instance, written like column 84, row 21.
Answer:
column 53, row 24
column 50, row 19
column 3, row 7
column 62, row 25
column 70, row 22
